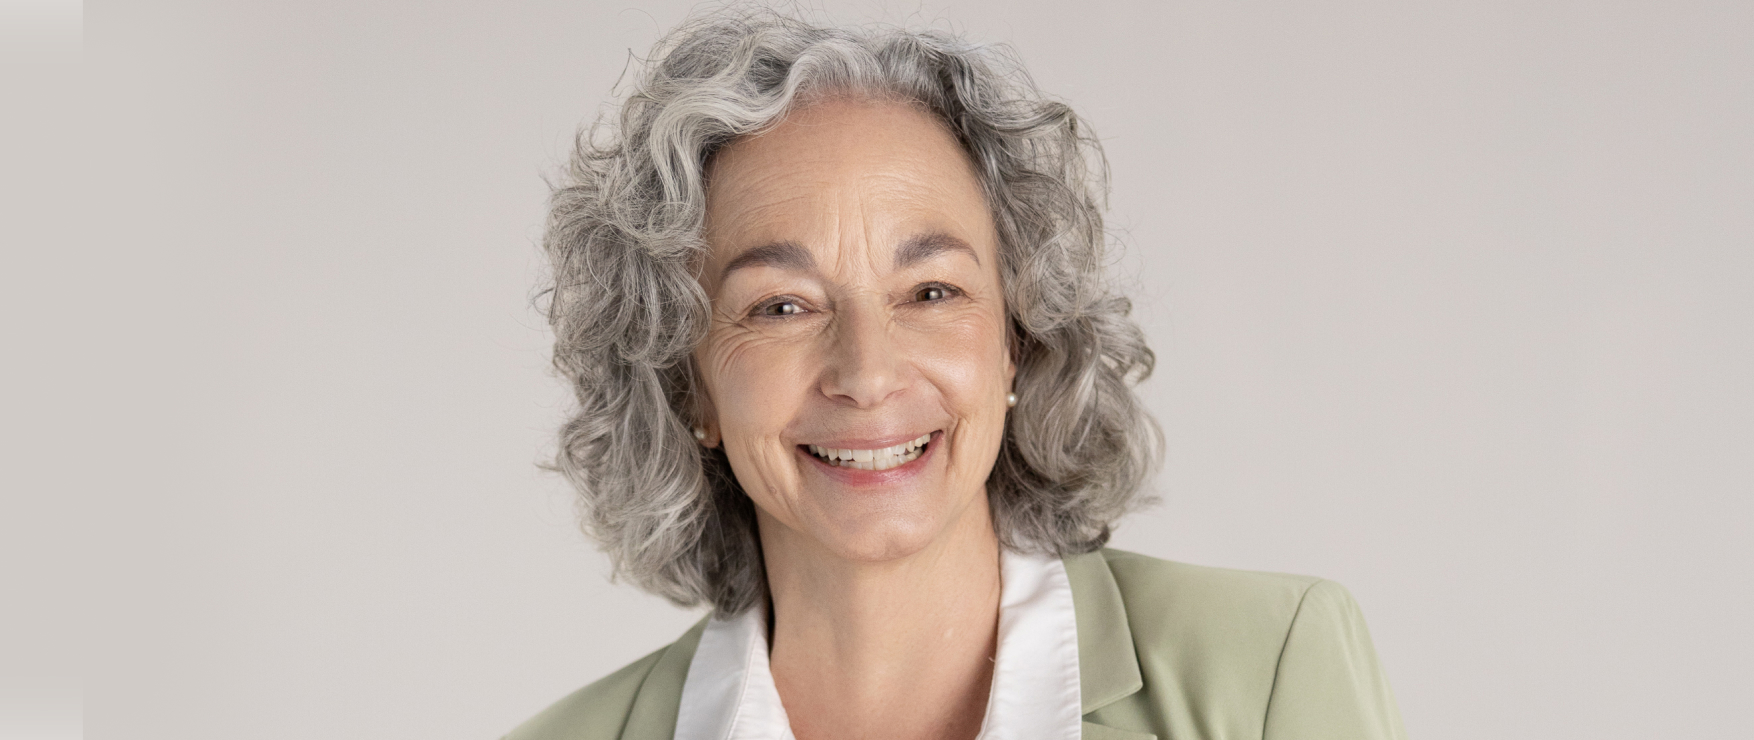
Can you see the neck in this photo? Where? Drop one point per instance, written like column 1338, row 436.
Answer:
column 896, row 648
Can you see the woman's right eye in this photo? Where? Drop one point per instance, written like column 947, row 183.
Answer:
column 780, row 308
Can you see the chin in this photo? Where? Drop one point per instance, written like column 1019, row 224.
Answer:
column 887, row 530
column 882, row 542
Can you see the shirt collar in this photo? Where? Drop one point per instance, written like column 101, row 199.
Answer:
column 729, row 693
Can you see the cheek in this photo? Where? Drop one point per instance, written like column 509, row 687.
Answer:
column 971, row 374
column 968, row 365
column 750, row 380
column 756, row 388
column 968, row 359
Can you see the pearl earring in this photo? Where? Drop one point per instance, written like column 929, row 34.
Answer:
column 1010, row 400
column 700, row 434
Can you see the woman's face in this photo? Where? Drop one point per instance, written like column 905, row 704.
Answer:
column 856, row 313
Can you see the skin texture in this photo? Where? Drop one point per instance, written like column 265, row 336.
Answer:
column 856, row 299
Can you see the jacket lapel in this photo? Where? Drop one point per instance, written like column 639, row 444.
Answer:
column 1108, row 667
column 653, row 714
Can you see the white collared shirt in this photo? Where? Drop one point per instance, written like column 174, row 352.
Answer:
column 729, row 693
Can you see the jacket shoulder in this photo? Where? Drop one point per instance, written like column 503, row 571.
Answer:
column 595, row 712
column 1204, row 594
column 1228, row 650
column 1203, row 619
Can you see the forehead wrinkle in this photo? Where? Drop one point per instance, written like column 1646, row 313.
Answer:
column 749, row 222
column 745, row 218
column 825, row 197
column 765, row 191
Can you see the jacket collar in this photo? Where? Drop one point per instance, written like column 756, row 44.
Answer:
column 653, row 714
column 1108, row 669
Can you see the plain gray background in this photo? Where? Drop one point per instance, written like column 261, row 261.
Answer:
column 1451, row 303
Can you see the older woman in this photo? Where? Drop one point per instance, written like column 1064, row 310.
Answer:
column 848, row 370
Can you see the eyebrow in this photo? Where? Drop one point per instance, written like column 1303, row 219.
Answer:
column 923, row 247
column 789, row 255
column 783, row 255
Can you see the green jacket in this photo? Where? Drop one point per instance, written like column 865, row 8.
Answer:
column 1165, row 650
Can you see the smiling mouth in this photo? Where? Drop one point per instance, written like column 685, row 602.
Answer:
column 882, row 458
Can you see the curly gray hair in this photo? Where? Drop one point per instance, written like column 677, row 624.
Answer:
column 624, row 239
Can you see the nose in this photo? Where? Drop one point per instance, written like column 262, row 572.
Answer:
column 864, row 365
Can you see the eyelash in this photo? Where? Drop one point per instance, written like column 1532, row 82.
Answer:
column 762, row 309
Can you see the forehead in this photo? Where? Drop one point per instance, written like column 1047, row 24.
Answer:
column 839, row 166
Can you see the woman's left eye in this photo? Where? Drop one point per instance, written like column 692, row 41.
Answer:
column 931, row 292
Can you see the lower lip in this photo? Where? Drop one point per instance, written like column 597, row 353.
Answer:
column 857, row 477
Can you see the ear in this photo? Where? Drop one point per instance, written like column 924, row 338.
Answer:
column 706, row 431
column 707, row 434
column 706, row 438
column 706, row 426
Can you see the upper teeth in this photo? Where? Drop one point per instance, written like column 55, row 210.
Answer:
column 882, row 458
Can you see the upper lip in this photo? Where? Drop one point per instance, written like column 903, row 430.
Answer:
column 875, row 443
